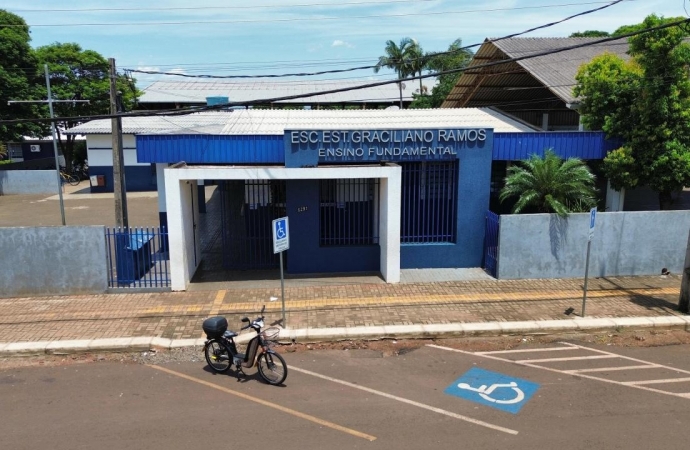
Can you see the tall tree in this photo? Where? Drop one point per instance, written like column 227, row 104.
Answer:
column 398, row 58
column 77, row 74
column 456, row 57
column 646, row 103
column 417, row 62
column 18, row 77
column 550, row 185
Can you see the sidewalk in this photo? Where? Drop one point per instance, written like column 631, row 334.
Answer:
column 341, row 311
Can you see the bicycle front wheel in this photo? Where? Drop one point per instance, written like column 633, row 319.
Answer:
column 217, row 356
column 72, row 180
column 272, row 368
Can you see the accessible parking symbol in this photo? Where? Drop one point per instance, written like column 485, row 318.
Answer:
column 493, row 389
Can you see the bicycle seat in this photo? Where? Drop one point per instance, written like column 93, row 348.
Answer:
column 229, row 334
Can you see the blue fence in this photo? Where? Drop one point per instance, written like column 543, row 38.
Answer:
column 137, row 257
column 491, row 243
column 348, row 212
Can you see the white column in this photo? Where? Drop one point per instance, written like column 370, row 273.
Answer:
column 160, row 184
column 179, row 276
column 615, row 200
column 389, row 226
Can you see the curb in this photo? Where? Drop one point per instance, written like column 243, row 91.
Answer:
column 312, row 335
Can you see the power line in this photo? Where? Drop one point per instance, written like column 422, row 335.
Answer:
column 185, row 111
column 301, row 19
column 199, row 8
column 352, row 69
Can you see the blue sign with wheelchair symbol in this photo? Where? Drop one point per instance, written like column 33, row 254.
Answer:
column 281, row 235
column 493, row 389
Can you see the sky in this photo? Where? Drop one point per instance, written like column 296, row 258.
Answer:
column 242, row 37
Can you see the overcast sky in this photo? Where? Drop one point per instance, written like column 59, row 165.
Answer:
column 282, row 36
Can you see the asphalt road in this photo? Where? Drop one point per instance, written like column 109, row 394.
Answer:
column 358, row 399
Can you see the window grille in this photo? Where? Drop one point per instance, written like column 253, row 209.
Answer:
column 349, row 212
column 429, row 202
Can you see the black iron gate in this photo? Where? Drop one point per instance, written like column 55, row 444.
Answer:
column 247, row 209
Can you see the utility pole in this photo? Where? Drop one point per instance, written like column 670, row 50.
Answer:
column 119, row 187
column 50, row 102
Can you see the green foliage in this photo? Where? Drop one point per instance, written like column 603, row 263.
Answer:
column 590, row 34
column 456, row 57
column 17, row 77
column 77, row 74
column 3, row 151
column 646, row 103
column 550, row 185
column 626, row 29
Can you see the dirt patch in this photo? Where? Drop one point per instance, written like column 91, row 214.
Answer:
column 366, row 349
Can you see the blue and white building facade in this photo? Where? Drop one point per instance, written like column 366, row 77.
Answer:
column 365, row 191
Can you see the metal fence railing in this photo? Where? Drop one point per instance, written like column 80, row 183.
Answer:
column 137, row 257
column 349, row 212
column 429, row 202
column 491, row 243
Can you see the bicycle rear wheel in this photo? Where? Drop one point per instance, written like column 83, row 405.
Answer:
column 272, row 368
column 73, row 180
column 217, row 356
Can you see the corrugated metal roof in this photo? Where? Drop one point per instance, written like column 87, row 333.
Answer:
column 187, row 92
column 517, row 81
column 267, row 122
column 206, row 123
column 275, row 122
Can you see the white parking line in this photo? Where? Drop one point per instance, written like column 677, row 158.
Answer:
column 407, row 401
column 527, row 350
column 609, row 369
column 574, row 358
column 667, row 380
column 581, row 375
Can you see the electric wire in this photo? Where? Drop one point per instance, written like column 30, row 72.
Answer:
column 352, row 69
column 192, row 110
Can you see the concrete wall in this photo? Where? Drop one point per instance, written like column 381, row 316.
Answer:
column 624, row 243
column 14, row 182
column 52, row 261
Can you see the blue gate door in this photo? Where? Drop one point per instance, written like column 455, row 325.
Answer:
column 247, row 209
column 491, row 243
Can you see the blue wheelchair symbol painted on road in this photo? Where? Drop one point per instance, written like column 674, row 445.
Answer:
column 280, row 229
column 493, row 389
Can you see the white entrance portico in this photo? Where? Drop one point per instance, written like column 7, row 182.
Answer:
column 182, row 215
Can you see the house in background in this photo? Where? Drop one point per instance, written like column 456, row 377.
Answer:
column 539, row 91
column 183, row 94
column 138, row 176
column 536, row 90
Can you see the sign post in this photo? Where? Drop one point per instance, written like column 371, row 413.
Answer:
column 592, row 218
column 281, row 242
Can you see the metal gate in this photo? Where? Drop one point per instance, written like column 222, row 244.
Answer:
column 247, row 209
column 491, row 243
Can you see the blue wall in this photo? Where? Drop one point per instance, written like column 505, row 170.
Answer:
column 580, row 144
column 201, row 149
column 473, row 202
column 137, row 178
column 305, row 254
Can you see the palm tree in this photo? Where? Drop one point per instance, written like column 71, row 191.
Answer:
column 397, row 57
column 550, row 184
column 417, row 62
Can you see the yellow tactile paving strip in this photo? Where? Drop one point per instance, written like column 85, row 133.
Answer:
column 219, row 305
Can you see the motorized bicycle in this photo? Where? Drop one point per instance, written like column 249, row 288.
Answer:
column 221, row 351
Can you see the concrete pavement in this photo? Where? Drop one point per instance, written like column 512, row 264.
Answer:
column 138, row 321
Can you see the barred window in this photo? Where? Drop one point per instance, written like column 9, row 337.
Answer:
column 429, row 202
column 349, row 212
